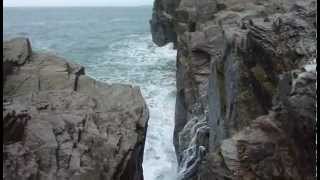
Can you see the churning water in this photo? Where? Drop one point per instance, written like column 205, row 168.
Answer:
column 114, row 45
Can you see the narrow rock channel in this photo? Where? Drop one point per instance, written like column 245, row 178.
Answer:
column 115, row 47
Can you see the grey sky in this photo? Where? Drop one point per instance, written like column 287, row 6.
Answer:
column 77, row 2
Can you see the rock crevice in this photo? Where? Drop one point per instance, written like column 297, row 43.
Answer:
column 238, row 62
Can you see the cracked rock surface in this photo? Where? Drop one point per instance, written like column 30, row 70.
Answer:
column 246, row 101
column 61, row 124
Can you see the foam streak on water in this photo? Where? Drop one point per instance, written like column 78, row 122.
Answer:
column 115, row 46
column 152, row 68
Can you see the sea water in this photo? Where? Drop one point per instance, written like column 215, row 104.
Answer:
column 114, row 45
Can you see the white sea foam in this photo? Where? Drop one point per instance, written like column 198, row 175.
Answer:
column 114, row 45
column 119, row 20
column 138, row 61
column 312, row 66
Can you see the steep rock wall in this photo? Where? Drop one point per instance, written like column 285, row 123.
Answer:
column 238, row 66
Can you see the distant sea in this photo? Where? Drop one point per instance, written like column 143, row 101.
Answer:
column 114, row 45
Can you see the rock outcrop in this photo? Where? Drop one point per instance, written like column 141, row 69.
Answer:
column 246, row 106
column 59, row 123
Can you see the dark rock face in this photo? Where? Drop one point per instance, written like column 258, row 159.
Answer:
column 61, row 124
column 240, row 113
column 162, row 22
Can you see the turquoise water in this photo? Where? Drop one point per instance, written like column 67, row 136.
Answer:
column 114, row 45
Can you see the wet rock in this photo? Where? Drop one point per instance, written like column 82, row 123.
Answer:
column 162, row 22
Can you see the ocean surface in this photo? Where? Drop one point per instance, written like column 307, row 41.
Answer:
column 114, row 45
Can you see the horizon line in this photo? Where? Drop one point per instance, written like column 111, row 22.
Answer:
column 75, row 6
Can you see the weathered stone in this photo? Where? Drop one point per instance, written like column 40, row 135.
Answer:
column 238, row 60
column 16, row 53
column 61, row 124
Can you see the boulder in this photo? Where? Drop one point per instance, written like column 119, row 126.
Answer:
column 16, row 52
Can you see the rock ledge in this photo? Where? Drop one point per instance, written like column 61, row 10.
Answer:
column 59, row 123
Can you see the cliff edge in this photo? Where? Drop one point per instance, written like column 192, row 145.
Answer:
column 59, row 123
column 246, row 87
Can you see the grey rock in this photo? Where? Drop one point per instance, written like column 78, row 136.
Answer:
column 16, row 53
column 162, row 22
column 61, row 124
column 240, row 72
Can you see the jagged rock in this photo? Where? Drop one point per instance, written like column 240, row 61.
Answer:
column 61, row 124
column 44, row 72
column 162, row 22
column 15, row 119
column 275, row 146
column 237, row 65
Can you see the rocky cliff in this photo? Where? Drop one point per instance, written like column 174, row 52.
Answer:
column 246, row 92
column 59, row 123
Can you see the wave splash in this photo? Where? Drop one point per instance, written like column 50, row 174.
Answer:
column 136, row 60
